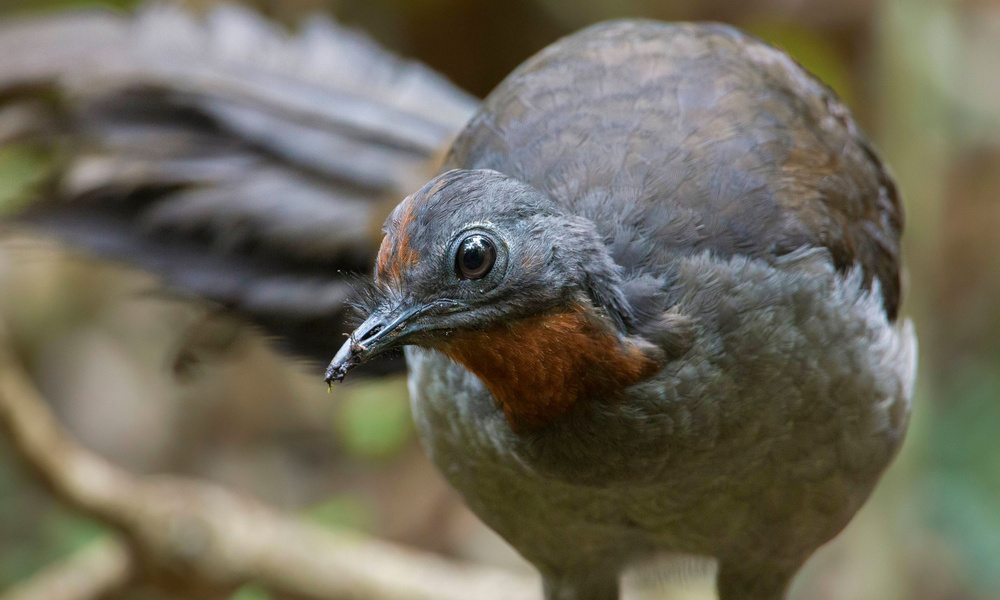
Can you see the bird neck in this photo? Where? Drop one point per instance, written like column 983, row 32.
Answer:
column 540, row 367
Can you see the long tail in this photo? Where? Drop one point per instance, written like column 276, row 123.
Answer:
column 242, row 164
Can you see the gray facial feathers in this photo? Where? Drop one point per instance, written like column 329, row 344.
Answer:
column 549, row 256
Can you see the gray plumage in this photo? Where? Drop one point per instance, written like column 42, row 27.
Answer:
column 756, row 447
column 677, row 139
column 718, row 210
column 649, row 306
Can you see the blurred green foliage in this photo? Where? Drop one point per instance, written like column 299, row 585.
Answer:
column 36, row 6
column 21, row 169
column 251, row 592
column 812, row 50
column 44, row 531
column 961, row 485
column 347, row 511
column 373, row 418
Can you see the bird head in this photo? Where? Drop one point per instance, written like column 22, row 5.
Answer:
column 491, row 272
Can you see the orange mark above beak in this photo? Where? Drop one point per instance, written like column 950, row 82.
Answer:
column 395, row 254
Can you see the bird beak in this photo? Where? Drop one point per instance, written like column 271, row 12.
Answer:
column 384, row 329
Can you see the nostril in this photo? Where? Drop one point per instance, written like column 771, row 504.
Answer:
column 372, row 333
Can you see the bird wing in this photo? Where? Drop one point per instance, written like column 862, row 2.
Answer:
column 678, row 139
column 239, row 162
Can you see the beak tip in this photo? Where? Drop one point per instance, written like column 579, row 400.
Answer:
column 336, row 372
column 379, row 331
column 344, row 361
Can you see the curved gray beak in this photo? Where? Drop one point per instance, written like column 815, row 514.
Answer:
column 384, row 329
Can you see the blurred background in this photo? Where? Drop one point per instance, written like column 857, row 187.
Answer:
column 923, row 77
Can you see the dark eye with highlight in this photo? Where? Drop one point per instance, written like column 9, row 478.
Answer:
column 475, row 257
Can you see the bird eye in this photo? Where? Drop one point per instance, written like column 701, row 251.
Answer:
column 475, row 257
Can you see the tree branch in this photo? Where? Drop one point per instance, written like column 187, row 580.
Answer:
column 201, row 540
column 97, row 571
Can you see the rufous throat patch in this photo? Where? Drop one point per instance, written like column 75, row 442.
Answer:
column 540, row 367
